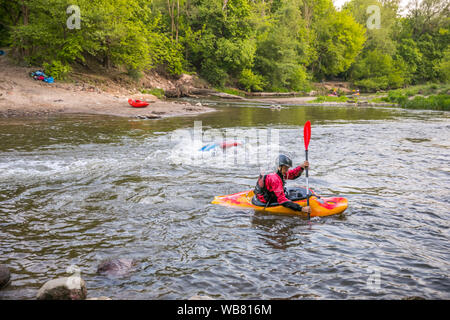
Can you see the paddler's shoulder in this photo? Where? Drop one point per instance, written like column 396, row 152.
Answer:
column 272, row 177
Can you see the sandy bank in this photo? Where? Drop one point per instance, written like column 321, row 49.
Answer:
column 22, row 96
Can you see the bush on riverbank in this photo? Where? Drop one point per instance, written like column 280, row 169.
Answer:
column 157, row 92
column 321, row 99
column 432, row 96
column 433, row 102
column 424, row 89
column 57, row 70
column 437, row 102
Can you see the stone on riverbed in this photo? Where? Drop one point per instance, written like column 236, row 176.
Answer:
column 116, row 267
column 67, row 288
column 5, row 276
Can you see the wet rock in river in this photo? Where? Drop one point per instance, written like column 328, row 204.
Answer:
column 116, row 267
column 67, row 288
column 5, row 276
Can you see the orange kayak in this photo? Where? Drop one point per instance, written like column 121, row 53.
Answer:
column 320, row 207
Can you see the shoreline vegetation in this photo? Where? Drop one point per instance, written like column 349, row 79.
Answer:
column 107, row 94
column 431, row 96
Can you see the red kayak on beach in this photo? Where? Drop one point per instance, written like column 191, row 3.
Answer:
column 137, row 103
column 226, row 144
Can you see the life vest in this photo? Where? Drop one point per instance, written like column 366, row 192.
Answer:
column 261, row 189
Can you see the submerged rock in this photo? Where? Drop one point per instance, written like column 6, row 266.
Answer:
column 67, row 288
column 5, row 276
column 116, row 267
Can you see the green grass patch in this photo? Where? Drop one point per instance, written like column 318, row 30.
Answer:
column 321, row 99
column 424, row 89
column 435, row 102
column 396, row 96
column 377, row 100
column 432, row 102
column 159, row 93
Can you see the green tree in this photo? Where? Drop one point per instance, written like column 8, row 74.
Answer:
column 339, row 41
column 221, row 45
column 116, row 33
column 378, row 70
column 279, row 51
column 443, row 68
column 335, row 38
column 423, row 37
column 378, row 37
column 409, row 52
column 10, row 16
column 380, row 66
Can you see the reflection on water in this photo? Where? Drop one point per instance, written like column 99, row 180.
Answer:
column 76, row 190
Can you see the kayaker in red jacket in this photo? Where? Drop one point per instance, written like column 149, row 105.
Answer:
column 270, row 188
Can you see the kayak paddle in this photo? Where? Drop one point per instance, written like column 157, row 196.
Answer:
column 306, row 138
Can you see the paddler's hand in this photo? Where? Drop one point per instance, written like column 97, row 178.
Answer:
column 306, row 209
column 304, row 165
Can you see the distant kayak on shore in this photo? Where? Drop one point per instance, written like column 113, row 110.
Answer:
column 137, row 103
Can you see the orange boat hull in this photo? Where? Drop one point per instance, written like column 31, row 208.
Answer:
column 320, row 207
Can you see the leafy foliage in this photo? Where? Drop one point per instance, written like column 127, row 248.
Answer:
column 321, row 99
column 250, row 81
column 158, row 92
column 254, row 45
column 57, row 69
column 378, row 71
column 340, row 39
column 433, row 102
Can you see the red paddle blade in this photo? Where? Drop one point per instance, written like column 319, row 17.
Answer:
column 307, row 133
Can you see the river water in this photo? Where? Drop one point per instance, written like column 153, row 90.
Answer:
column 75, row 190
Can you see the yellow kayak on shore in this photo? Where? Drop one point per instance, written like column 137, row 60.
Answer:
column 320, row 207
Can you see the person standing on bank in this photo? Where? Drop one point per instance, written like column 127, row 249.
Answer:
column 270, row 188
